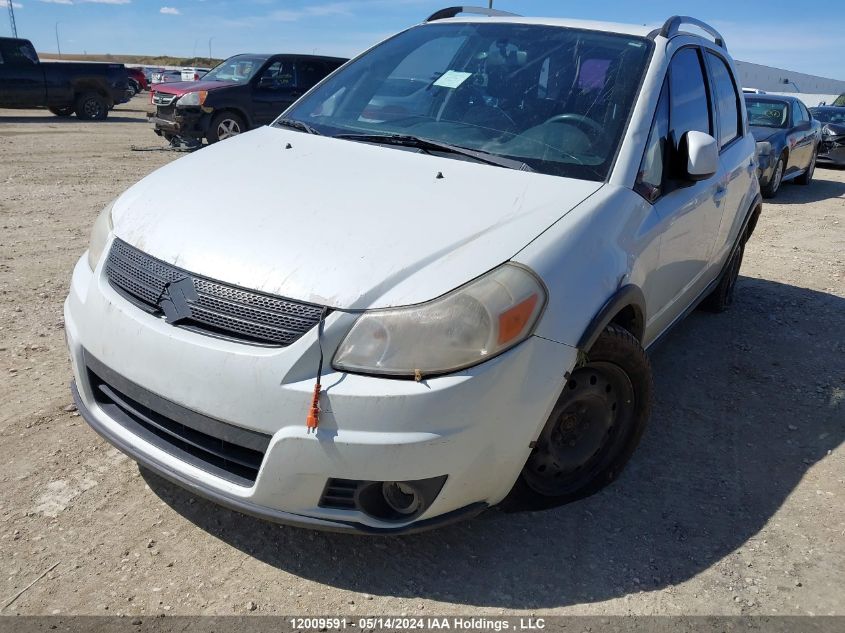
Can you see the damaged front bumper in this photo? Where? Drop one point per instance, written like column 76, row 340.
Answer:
column 183, row 122
column 832, row 150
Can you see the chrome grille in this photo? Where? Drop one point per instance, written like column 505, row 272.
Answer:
column 218, row 309
column 163, row 98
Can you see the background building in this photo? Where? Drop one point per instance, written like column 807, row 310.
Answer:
column 811, row 89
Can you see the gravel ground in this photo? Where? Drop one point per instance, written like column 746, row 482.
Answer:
column 732, row 505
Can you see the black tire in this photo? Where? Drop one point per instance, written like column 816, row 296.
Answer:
column 134, row 87
column 66, row 111
column 225, row 125
column 807, row 177
column 722, row 296
column 771, row 188
column 595, row 426
column 91, row 106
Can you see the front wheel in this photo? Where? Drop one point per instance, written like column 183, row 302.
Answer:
column 771, row 188
column 593, row 429
column 224, row 125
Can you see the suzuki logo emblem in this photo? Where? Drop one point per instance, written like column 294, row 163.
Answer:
column 176, row 298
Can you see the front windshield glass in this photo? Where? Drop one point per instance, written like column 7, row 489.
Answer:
column 829, row 116
column 557, row 99
column 240, row 69
column 767, row 113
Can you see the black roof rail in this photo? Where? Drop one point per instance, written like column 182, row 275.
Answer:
column 672, row 27
column 451, row 12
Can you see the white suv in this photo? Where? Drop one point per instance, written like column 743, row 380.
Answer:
column 427, row 288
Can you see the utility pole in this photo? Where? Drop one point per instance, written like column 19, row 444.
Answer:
column 210, row 39
column 11, row 6
column 58, row 45
column 491, row 4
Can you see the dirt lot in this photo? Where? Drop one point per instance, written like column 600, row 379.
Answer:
column 732, row 505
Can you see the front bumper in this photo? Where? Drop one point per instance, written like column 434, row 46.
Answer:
column 475, row 427
column 252, row 509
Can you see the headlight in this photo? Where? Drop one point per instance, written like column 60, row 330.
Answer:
column 764, row 148
column 100, row 235
column 193, row 98
column 462, row 328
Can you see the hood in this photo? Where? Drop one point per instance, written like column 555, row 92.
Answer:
column 338, row 223
column 762, row 133
column 180, row 88
column 833, row 129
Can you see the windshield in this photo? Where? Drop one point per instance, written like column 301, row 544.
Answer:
column 240, row 69
column 829, row 116
column 767, row 113
column 556, row 99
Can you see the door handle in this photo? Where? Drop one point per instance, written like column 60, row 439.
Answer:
column 752, row 166
column 721, row 192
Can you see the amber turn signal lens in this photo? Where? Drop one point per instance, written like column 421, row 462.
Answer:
column 513, row 321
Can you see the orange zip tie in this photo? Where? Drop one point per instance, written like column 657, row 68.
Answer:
column 312, row 421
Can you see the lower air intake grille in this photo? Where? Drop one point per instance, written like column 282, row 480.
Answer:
column 227, row 451
column 212, row 307
column 339, row 494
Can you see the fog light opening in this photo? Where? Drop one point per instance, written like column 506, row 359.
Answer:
column 402, row 498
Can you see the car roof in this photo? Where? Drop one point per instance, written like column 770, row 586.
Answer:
column 297, row 55
column 639, row 30
column 771, row 97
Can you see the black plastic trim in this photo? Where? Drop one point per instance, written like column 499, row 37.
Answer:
column 262, row 512
column 627, row 295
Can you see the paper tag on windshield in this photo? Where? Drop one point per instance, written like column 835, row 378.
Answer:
column 452, row 79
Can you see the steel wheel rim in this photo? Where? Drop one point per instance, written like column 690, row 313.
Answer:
column 589, row 430
column 228, row 128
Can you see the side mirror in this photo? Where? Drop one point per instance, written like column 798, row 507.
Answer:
column 702, row 153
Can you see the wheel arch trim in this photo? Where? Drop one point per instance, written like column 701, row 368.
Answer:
column 627, row 296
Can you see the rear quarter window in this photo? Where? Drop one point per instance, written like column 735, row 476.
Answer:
column 726, row 98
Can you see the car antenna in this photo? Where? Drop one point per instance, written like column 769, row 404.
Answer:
column 313, row 419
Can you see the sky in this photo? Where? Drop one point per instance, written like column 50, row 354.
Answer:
column 803, row 37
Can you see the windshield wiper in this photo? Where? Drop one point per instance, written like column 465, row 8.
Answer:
column 427, row 145
column 298, row 125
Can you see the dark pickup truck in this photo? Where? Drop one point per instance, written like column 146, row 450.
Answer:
column 89, row 90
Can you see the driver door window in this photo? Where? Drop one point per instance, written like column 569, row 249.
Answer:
column 278, row 75
column 796, row 115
